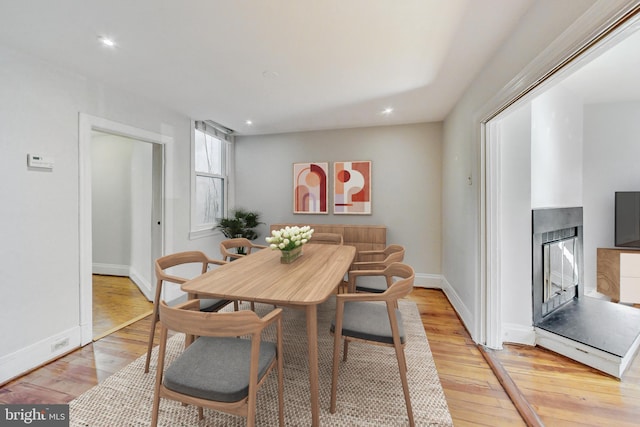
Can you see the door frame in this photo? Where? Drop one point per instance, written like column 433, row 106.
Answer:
column 594, row 31
column 87, row 124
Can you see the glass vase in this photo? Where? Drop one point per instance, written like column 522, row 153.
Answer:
column 287, row 257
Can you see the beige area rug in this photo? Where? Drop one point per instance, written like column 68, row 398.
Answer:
column 369, row 388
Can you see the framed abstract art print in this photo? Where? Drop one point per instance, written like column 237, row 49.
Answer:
column 352, row 188
column 310, row 188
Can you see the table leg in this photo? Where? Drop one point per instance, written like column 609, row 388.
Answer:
column 312, row 338
column 189, row 339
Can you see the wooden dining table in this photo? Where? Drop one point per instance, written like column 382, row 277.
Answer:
column 305, row 283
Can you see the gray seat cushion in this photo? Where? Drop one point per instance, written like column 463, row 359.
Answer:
column 369, row 321
column 217, row 368
column 211, row 305
column 373, row 284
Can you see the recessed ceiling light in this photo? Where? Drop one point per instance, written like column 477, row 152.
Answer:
column 249, row 122
column 387, row 111
column 107, row 41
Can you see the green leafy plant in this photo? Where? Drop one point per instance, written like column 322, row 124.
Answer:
column 242, row 224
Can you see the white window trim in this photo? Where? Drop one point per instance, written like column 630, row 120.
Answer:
column 196, row 232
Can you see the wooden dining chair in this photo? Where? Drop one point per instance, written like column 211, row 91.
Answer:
column 219, row 370
column 162, row 264
column 327, row 238
column 229, row 248
column 364, row 274
column 361, row 317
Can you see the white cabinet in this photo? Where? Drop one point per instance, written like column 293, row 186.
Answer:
column 630, row 277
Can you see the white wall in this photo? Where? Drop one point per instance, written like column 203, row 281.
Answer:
column 543, row 23
column 111, row 203
column 556, row 149
column 406, row 182
column 541, row 147
column 39, row 250
column 141, row 271
column 611, row 163
column 515, row 224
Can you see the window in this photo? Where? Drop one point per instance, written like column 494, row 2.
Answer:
column 210, row 176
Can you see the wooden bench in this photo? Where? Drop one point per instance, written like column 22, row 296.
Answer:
column 363, row 237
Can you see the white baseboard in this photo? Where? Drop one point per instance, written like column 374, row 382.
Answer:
column 110, row 269
column 50, row 348
column 463, row 312
column 39, row 353
column 125, row 271
column 431, row 281
column 437, row 281
column 143, row 285
column 512, row 333
column 518, row 334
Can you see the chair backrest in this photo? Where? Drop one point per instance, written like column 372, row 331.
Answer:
column 327, row 238
column 403, row 283
column 188, row 319
column 179, row 258
column 226, row 247
column 381, row 259
column 395, row 253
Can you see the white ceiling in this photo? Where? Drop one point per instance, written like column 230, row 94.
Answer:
column 610, row 73
column 287, row 65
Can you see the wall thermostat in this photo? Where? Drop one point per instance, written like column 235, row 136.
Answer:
column 40, row 162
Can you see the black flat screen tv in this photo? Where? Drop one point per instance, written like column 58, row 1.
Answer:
column 627, row 228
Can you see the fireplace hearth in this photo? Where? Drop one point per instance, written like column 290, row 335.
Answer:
column 596, row 332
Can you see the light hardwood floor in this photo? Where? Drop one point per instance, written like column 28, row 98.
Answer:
column 563, row 392
column 117, row 302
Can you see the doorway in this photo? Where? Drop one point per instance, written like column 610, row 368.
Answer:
column 148, row 226
column 564, row 106
column 121, row 201
column 117, row 303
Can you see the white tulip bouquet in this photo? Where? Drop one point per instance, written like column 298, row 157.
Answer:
column 289, row 238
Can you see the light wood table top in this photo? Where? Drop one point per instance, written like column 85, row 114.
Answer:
column 305, row 283
column 261, row 277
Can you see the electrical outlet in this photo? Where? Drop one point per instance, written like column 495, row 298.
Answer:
column 61, row 343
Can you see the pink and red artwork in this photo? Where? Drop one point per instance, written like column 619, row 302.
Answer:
column 310, row 188
column 352, row 188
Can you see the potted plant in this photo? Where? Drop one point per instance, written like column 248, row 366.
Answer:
column 242, row 224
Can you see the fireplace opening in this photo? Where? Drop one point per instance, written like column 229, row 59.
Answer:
column 560, row 271
column 560, row 268
column 557, row 259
